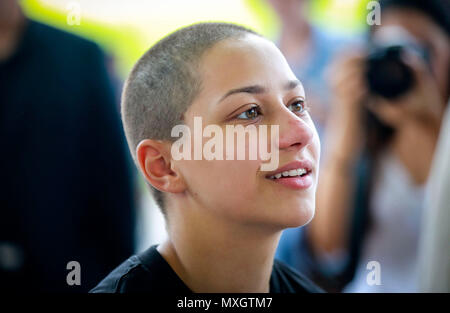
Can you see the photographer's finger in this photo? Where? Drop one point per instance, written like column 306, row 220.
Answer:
column 421, row 72
column 347, row 75
column 346, row 60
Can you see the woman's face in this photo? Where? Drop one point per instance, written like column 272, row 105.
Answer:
column 264, row 91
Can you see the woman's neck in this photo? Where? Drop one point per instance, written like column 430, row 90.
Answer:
column 212, row 254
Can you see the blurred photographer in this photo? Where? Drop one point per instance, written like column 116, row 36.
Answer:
column 383, row 128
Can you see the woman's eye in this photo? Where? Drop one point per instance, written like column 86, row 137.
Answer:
column 298, row 106
column 250, row 114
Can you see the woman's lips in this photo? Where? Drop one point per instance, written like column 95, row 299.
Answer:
column 294, row 165
column 287, row 175
column 295, row 182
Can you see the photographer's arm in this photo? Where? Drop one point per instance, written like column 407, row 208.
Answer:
column 329, row 229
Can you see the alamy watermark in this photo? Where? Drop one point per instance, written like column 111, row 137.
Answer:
column 216, row 148
column 374, row 276
column 74, row 276
column 374, row 16
column 74, row 13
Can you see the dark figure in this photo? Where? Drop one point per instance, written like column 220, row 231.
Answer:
column 66, row 190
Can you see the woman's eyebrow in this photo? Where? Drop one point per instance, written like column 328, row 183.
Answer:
column 292, row 84
column 257, row 89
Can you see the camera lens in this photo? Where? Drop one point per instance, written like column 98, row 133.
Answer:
column 387, row 74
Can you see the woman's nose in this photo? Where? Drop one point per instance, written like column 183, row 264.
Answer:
column 295, row 133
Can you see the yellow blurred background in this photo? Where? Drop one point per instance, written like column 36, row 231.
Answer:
column 125, row 29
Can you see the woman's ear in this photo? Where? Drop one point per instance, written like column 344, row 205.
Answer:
column 154, row 161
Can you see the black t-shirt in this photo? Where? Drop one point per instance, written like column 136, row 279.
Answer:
column 150, row 272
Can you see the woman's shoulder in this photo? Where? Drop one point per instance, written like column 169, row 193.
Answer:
column 144, row 272
column 286, row 279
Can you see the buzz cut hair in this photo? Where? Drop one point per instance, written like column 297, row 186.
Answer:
column 165, row 81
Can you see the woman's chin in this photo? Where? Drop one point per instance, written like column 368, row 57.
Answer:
column 299, row 217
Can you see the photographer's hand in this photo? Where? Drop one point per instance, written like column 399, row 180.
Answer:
column 423, row 105
column 345, row 129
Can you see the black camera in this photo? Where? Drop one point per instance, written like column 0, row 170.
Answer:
column 387, row 74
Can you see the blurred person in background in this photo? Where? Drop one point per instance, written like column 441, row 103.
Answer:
column 309, row 50
column 66, row 192
column 387, row 109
